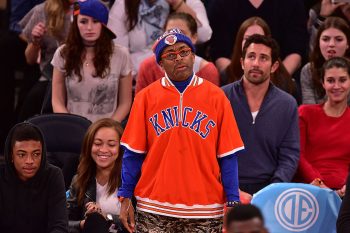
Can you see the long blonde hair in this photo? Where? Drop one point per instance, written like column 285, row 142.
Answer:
column 55, row 12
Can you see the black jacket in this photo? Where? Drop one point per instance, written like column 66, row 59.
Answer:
column 343, row 221
column 37, row 205
column 76, row 212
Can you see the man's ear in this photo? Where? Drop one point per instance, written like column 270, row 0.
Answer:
column 242, row 63
column 161, row 64
column 275, row 66
column 193, row 54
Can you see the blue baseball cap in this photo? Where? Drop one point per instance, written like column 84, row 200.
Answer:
column 97, row 10
column 170, row 37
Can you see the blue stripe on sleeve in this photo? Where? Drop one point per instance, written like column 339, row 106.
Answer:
column 229, row 176
column 131, row 170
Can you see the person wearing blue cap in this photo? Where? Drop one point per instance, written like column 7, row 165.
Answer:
column 92, row 75
column 183, row 135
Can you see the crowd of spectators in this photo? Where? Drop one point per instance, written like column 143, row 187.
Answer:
column 283, row 66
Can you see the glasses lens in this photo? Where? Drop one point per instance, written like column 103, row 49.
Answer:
column 171, row 56
column 184, row 52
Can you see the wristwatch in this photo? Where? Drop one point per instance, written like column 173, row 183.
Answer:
column 232, row 203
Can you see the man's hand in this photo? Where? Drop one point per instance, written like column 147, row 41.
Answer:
column 245, row 198
column 127, row 213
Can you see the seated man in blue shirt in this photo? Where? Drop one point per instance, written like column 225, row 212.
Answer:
column 267, row 119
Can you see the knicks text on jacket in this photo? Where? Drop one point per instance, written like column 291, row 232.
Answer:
column 195, row 120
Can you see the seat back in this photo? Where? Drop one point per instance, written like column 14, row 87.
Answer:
column 46, row 107
column 295, row 207
column 63, row 135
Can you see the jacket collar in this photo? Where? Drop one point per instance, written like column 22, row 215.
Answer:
column 195, row 81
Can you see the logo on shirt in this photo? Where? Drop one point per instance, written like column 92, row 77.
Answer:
column 195, row 120
column 296, row 209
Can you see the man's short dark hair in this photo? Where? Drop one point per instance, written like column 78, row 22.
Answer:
column 265, row 40
column 25, row 132
column 243, row 212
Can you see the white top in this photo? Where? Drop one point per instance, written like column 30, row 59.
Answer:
column 109, row 203
column 94, row 97
column 254, row 114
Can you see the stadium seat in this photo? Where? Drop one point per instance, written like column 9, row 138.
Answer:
column 63, row 135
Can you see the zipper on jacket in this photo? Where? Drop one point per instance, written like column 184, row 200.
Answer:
column 180, row 107
column 181, row 98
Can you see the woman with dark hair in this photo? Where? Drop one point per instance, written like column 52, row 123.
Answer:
column 92, row 75
column 138, row 23
column 254, row 25
column 150, row 71
column 324, row 129
column 92, row 200
column 332, row 40
column 323, row 9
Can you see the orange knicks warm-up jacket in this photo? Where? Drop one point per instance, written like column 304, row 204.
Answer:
column 182, row 135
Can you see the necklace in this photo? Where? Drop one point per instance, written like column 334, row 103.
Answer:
column 88, row 60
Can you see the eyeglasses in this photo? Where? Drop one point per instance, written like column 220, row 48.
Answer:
column 173, row 55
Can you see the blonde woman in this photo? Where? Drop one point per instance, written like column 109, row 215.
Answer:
column 45, row 27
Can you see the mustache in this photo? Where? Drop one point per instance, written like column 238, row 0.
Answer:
column 179, row 64
column 255, row 71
